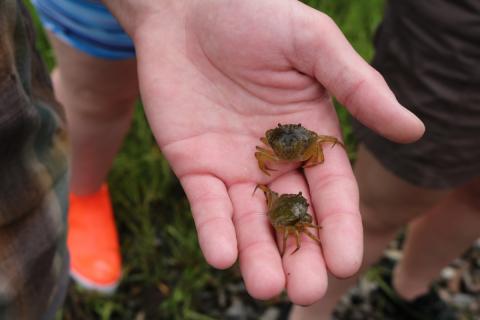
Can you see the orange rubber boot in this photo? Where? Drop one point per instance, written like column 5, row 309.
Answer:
column 95, row 261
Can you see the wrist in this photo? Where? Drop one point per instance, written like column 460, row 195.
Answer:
column 137, row 15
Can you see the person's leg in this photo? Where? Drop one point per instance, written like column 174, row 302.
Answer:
column 437, row 238
column 99, row 97
column 387, row 203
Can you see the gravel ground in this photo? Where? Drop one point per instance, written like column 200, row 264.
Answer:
column 458, row 288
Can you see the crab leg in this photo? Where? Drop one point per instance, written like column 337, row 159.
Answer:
column 312, row 236
column 266, row 151
column 264, row 155
column 313, row 155
column 311, row 225
column 284, row 243
column 333, row 140
column 297, row 240
column 270, row 195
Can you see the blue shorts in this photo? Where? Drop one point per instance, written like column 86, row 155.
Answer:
column 86, row 25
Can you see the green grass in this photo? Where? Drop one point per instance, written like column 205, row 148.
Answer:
column 165, row 274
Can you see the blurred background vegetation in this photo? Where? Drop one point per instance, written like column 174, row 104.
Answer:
column 165, row 274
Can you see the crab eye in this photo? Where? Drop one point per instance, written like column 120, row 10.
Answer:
column 300, row 193
column 279, row 124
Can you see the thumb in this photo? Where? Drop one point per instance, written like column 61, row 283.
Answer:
column 320, row 50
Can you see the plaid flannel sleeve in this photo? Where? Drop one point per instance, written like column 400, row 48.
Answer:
column 33, row 176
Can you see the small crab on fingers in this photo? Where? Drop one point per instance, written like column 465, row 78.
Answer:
column 288, row 215
column 292, row 142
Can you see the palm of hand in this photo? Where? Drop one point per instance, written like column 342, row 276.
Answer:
column 210, row 93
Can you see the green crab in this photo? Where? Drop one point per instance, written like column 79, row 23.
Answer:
column 288, row 215
column 292, row 142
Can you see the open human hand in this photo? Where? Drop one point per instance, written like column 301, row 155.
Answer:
column 214, row 76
